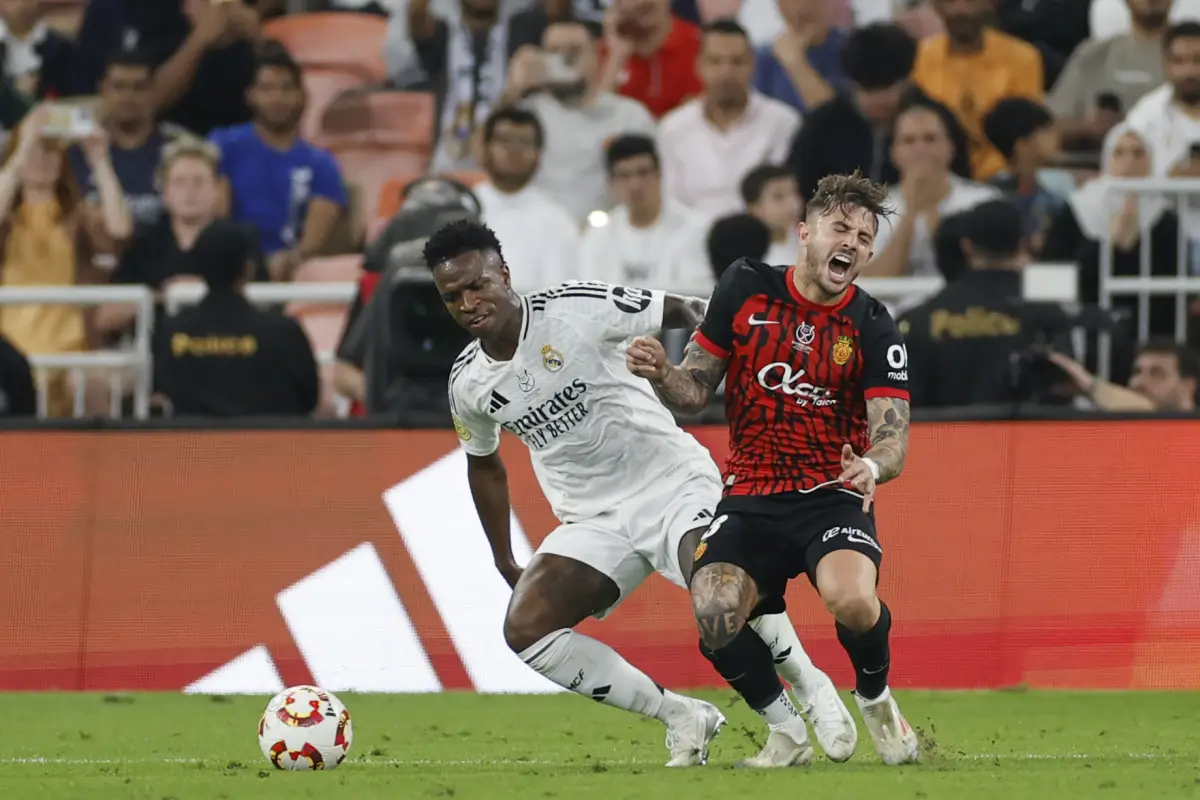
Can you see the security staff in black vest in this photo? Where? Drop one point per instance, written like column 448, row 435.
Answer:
column 961, row 341
column 224, row 357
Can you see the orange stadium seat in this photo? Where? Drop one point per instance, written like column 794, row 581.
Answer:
column 351, row 42
column 323, row 85
column 370, row 166
column 324, row 328
column 330, row 269
column 390, row 194
column 385, row 118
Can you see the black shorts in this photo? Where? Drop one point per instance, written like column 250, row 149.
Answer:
column 776, row 537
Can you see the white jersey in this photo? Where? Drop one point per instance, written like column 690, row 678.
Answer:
column 597, row 433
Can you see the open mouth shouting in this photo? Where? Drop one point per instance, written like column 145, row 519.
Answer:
column 840, row 265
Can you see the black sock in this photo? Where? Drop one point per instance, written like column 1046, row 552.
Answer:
column 869, row 654
column 747, row 665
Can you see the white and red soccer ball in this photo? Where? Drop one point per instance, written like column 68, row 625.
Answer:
column 305, row 727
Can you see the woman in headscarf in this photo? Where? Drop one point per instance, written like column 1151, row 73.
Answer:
column 1097, row 217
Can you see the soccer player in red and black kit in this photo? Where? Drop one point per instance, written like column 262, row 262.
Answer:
column 817, row 401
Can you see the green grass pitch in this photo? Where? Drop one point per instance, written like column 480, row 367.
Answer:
column 1014, row 745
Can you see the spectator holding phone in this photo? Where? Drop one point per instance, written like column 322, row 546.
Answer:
column 1107, row 76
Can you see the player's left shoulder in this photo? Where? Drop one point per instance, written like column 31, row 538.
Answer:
column 867, row 312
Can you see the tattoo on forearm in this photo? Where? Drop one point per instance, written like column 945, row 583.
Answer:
column 887, row 422
column 688, row 387
column 722, row 598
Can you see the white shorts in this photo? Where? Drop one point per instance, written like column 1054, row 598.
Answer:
column 642, row 535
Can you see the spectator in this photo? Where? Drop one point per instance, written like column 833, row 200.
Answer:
column 1169, row 117
column 801, row 67
column 770, row 194
column 579, row 118
column 135, row 142
column 18, row 397
column 1165, row 378
column 38, row 60
column 927, row 192
column 961, row 341
column 854, row 131
column 646, row 240
column 466, row 60
column 49, row 238
column 971, row 67
column 1025, row 134
column 225, row 358
column 710, row 143
column 288, row 189
column 736, row 236
column 649, row 54
column 1107, row 76
column 1109, row 18
column 538, row 235
column 528, row 27
column 157, row 254
column 401, row 52
column 1096, row 219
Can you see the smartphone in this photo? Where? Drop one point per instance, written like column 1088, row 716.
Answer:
column 558, row 71
column 69, row 120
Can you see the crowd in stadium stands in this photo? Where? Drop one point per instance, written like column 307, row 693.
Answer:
column 630, row 141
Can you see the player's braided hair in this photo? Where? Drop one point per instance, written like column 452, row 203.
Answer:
column 845, row 192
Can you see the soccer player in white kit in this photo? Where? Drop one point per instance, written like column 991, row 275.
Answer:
column 633, row 491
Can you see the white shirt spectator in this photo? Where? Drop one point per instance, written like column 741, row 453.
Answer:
column 703, row 166
column 1111, row 17
column 783, row 253
column 670, row 254
column 572, row 168
column 399, row 52
column 539, row 239
column 964, row 195
column 1168, row 132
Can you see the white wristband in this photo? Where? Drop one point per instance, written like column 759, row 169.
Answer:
column 873, row 467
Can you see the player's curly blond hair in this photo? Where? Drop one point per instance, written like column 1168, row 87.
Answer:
column 849, row 191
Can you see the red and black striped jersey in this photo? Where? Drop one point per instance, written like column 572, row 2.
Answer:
column 799, row 376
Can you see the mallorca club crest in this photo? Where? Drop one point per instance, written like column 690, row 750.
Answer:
column 552, row 360
column 843, row 350
column 803, row 339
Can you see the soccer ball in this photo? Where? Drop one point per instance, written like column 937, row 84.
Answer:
column 305, row 727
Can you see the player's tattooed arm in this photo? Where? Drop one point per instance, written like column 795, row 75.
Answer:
column 689, row 387
column 887, row 422
column 680, row 311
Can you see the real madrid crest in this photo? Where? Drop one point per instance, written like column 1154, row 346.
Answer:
column 843, row 350
column 552, row 360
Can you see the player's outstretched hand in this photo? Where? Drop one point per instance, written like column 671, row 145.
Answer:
column 857, row 473
column 646, row 358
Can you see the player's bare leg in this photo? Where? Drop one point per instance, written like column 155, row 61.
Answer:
column 818, row 698
column 723, row 597
column 846, row 580
column 556, row 593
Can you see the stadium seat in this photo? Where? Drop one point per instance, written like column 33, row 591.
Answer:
column 324, row 328
column 351, row 42
column 391, row 192
column 382, row 118
column 329, row 269
column 323, row 86
column 370, row 166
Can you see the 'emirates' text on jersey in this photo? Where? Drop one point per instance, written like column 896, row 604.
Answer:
column 799, row 376
column 596, row 433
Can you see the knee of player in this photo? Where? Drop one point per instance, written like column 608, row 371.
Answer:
column 719, row 620
column 853, row 606
column 522, row 630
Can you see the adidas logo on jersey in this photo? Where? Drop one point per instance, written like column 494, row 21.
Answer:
column 497, row 402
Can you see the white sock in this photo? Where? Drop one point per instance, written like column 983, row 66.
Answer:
column 791, row 662
column 593, row 669
column 781, row 712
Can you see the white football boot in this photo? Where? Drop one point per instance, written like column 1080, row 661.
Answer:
column 787, row 746
column 832, row 723
column 688, row 737
column 895, row 740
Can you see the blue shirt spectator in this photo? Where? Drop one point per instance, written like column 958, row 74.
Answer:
column 773, row 79
column 288, row 189
column 270, row 188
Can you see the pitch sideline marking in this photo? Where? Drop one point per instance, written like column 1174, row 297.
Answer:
column 483, row 762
